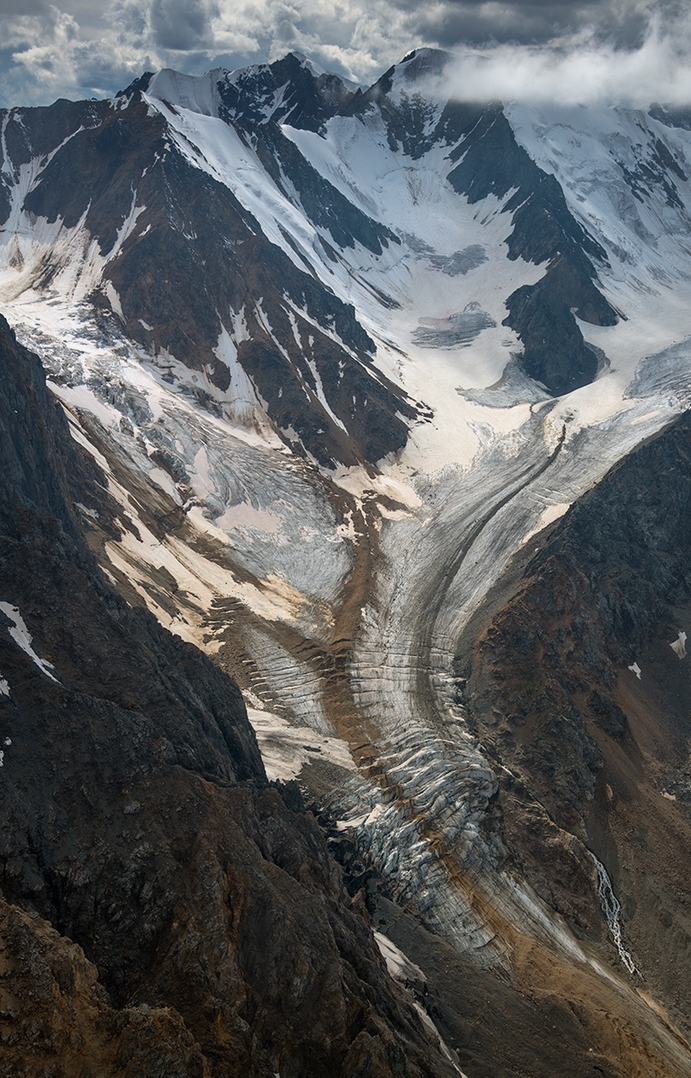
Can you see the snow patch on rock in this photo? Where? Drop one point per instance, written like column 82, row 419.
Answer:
column 22, row 637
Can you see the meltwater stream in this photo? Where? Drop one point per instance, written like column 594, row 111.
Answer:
column 611, row 908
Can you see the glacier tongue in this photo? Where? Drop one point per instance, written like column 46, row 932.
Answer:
column 411, row 552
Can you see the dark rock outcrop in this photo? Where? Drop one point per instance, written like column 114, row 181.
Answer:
column 193, row 261
column 163, row 911
column 596, row 755
column 489, row 161
column 286, row 91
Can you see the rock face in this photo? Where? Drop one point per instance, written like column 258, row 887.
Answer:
column 186, row 271
column 544, row 231
column 290, row 90
column 541, row 229
column 575, row 689
column 157, row 218
column 163, row 911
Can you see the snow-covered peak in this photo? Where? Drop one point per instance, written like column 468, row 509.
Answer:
column 293, row 90
column 409, row 75
column 310, row 65
column 626, row 176
column 422, row 63
column 322, row 73
column 198, row 93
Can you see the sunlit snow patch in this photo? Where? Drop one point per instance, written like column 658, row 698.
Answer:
column 286, row 749
column 635, row 669
column 397, row 963
column 678, row 646
column 21, row 636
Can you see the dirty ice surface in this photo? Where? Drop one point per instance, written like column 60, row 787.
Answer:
column 285, row 749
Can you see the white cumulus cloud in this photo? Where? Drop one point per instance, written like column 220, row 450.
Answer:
column 586, row 71
column 74, row 48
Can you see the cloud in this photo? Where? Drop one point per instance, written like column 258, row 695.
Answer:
column 530, row 22
column 12, row 8
column 25, row 25
column 182, row 24
column 177, row 26
column 358, row 38
column 50, row 45
column 532, row 49
column 586, row 71
column 47, row 56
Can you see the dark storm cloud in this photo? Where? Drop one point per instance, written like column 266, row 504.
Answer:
column 78, row 48
column 182, row 24
column 531, row 22
column 20, row 7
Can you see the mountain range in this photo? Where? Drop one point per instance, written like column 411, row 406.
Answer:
column 378, row 398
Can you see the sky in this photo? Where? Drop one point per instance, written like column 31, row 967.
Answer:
column 617, row 51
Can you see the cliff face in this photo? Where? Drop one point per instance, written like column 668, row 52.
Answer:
column 183, row 264
column 163, row 911
column 575, row 689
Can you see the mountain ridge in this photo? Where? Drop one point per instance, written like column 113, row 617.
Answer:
column 337, row 374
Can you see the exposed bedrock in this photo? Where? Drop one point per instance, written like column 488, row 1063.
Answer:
column 287, row 91
column 584, row 706
column 177, row 263
column 163, row 911
column 544, row 231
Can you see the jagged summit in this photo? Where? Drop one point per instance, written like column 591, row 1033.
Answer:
column 423, row 63
column 141, row 83
column 291, row 90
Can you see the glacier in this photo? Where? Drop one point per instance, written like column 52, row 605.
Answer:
column 336, row 594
